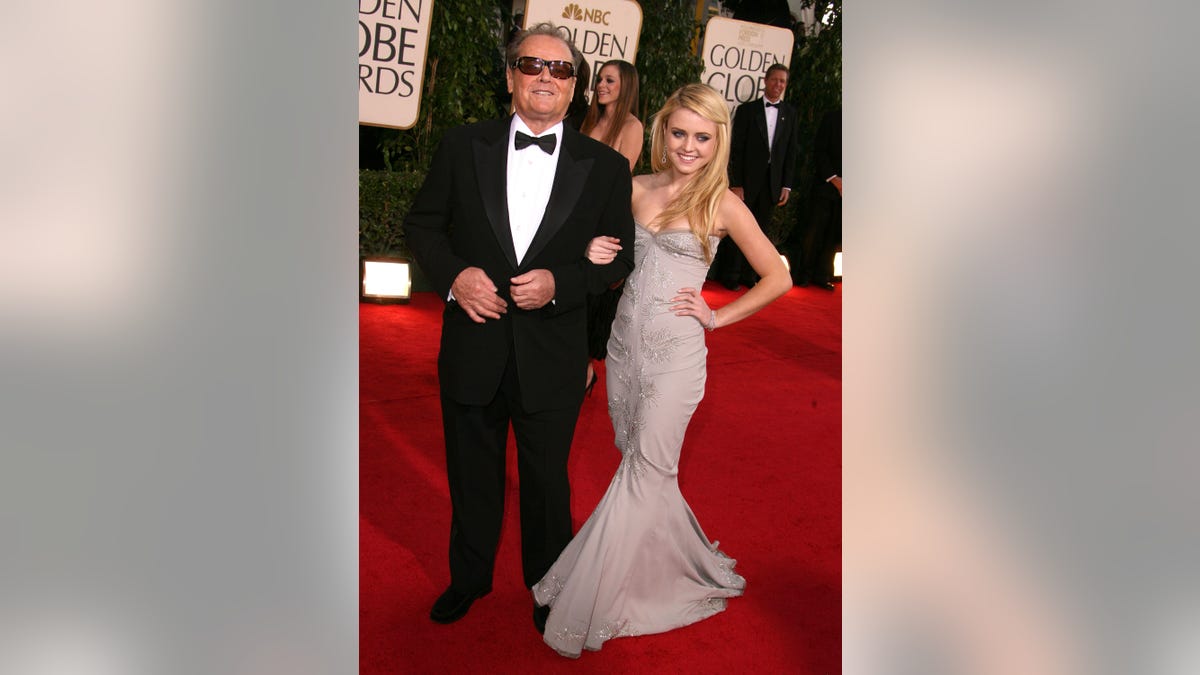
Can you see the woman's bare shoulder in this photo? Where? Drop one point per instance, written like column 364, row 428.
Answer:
column 731, row 211
column 647, row 181
column 645, row 184
column 729, row 202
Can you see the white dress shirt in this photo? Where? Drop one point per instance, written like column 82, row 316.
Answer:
column 772, row 119
column 530, row 178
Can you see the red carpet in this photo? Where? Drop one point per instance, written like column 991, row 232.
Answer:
column 761, row 468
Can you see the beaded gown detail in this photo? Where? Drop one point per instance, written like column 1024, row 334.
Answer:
column 641, row 564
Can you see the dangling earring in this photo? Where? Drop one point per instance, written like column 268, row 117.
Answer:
column 664, row 160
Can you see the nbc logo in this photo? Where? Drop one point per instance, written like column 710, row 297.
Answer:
column 572, row 11
column 575, row 12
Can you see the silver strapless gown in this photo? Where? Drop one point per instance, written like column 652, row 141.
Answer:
column 641, row 564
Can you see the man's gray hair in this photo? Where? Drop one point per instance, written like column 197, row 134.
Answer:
column 544, row 28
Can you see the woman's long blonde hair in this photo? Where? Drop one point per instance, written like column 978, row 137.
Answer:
column 699, row 199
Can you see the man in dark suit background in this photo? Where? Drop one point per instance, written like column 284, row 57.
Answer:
column 500, row 228
column 762, row 160
column 823, row 232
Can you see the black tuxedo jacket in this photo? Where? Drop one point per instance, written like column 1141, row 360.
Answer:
column 749, row 152
column 459, row 219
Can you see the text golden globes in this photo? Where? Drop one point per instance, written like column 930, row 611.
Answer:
column 601, row 30
column 737, row 54
column 393, row 36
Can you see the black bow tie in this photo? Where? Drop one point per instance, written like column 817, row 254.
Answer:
column 770, row 105
column 546, row 143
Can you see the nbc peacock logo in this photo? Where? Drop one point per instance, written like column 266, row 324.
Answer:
column 577, row 13
column 572, row 11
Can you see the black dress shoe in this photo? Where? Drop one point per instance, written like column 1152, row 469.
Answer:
column 540, row 614
column 453, row 605
column 802, row 281
column 824, row 285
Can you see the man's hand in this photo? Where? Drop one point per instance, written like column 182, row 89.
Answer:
column 476, row 294
column 783, row 196
column 533, row 289
column 741, row 193
column 837, row 183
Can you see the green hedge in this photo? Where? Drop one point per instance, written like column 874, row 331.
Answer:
column 384, row 198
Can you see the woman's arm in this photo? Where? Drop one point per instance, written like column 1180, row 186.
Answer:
column 603, row 250
column 739, row 223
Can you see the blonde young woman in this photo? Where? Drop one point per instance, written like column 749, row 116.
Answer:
column 611, row 121
column 641, row 564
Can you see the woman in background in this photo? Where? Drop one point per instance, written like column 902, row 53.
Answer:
column 611, row 121
column 610, row 117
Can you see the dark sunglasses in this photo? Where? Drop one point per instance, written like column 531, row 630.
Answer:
column 532, row 65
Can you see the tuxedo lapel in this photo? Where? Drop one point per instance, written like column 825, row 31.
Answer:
column 760, row 120
column 782, row 125
column 491, row 165
column 569, row 179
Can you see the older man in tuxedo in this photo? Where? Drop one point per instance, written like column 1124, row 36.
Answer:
column 500, row 228
column 762, row 160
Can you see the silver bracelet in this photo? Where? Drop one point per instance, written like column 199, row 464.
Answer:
column 712, row 320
